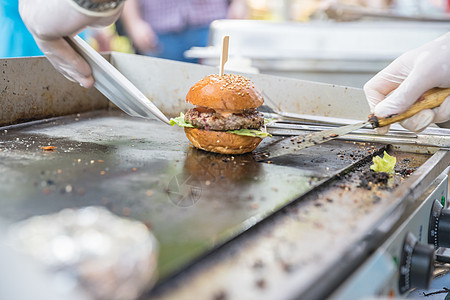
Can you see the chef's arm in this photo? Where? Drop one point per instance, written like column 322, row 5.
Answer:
column 51, row 20
column 138, row 30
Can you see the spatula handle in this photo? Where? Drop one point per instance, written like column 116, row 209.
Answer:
column 430, row 99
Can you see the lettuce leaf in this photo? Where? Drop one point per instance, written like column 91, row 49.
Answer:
column 385, row 164
column 267, row 121
column 180, row 121
column 248, row 132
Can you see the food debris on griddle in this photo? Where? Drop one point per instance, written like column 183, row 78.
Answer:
column 371, row 179
column 261, row 283
column 48, row 148
column 288, row 268
column 404, row 172
column 403, row 168
column 258, row 264
column 221, row 295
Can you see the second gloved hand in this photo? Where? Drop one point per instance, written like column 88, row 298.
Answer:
column 51, row 20
column 399, row 85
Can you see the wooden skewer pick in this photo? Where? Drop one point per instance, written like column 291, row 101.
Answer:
column 224, row 56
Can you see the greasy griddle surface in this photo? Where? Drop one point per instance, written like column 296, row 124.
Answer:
column 143, row 169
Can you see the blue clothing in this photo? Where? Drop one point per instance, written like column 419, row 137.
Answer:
column 15, row 39
column 172, row 45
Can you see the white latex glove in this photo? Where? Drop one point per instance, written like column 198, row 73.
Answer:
column 399, row 85
column 50, row 20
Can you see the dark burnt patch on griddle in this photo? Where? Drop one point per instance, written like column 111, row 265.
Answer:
column 260, row 156
column 404, row 171
column 403, row 168
column 371, row 179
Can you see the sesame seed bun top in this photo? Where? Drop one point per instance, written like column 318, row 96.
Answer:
column 227, row 92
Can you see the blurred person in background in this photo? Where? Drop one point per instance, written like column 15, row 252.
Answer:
column 167, row 28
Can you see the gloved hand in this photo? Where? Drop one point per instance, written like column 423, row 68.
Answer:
column 50, row 20
column 399, row 85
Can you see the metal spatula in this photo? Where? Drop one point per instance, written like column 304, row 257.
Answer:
column 431, row 99
column 116, row 87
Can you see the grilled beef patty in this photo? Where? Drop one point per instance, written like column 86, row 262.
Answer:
column 211, row 120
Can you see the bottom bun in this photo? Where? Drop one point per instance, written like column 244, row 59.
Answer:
column 221, row 141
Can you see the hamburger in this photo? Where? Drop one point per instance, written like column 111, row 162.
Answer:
column 224, row 119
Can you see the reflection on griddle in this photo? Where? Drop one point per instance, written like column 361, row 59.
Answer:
column 218, row 168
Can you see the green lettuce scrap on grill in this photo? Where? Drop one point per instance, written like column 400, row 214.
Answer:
column 383, row 164
column 248, row 132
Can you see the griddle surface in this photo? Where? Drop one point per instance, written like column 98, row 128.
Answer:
column 143, row 169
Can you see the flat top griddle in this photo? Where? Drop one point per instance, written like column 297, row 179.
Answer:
column 268, row 228
column 192, row 200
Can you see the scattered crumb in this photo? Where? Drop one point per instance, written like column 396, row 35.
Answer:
column 261, row 283
column 258, row 264
column 48, row 148
column 68, row 189
column 221, row 295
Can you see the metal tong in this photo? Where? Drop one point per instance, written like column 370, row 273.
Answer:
column 116, row 87
column 430, row 99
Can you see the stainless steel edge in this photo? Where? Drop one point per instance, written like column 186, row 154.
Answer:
column 403, row 197
column 31, row 89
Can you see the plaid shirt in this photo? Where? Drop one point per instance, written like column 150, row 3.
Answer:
column 175, row 15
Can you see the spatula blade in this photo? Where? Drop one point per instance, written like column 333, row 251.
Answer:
column 295, row 144
column 116, row 87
